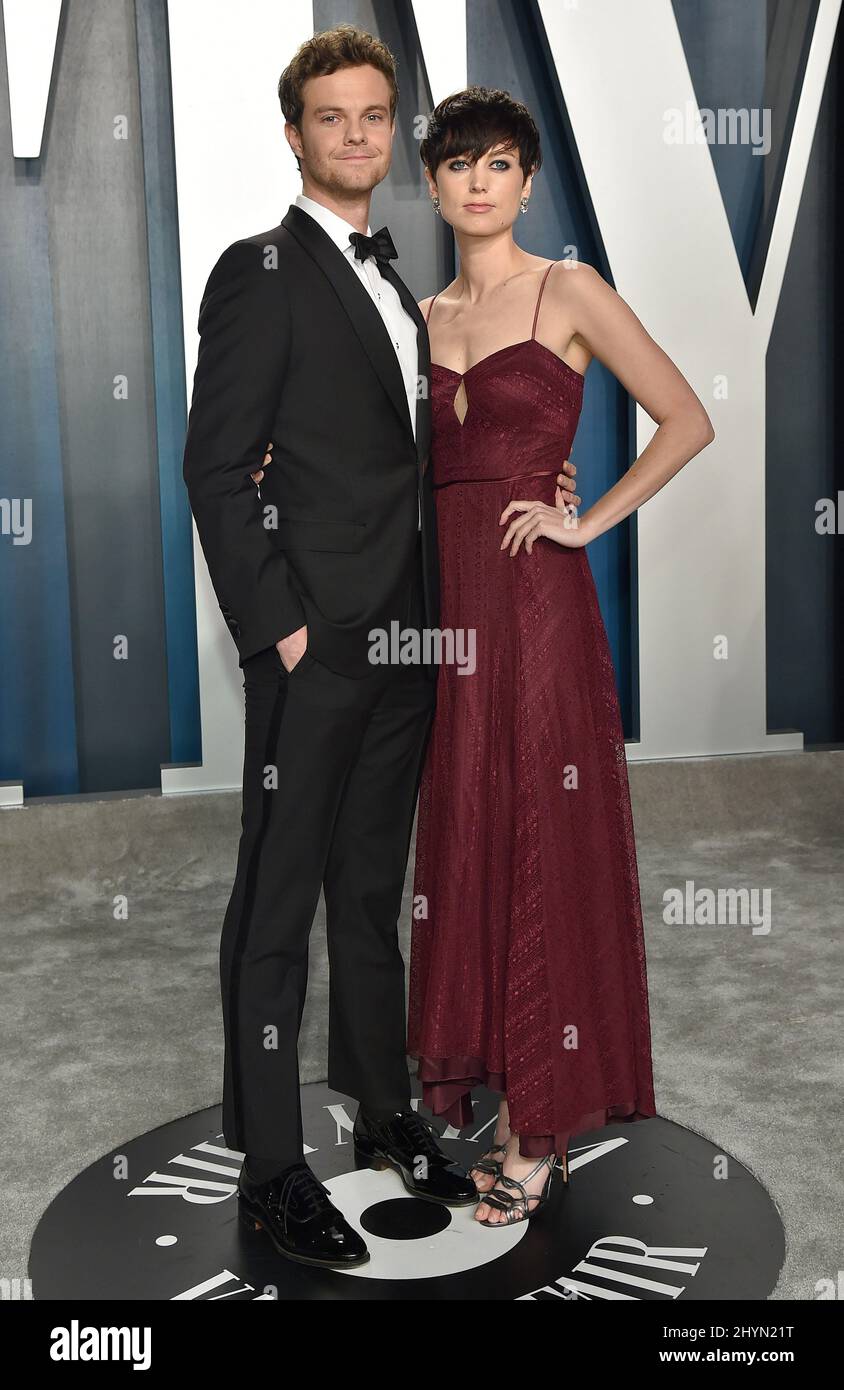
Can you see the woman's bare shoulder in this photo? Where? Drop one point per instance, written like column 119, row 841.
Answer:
column 567, row 271
column 570, row 280
column 443, row 294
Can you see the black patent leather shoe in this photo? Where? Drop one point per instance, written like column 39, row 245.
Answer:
column 407, row 1143
column 302, row 1222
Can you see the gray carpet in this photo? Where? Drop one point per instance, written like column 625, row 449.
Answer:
column 110, row 1026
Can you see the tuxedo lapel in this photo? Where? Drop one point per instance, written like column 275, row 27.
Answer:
column 423, row 370
column 364, row 316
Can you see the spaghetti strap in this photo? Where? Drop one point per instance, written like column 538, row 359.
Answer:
column 539, row 297
column 431, row 305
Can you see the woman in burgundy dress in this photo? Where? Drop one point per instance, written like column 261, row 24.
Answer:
column 527, row 969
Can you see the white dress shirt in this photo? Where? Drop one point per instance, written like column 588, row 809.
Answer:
column 397, row 320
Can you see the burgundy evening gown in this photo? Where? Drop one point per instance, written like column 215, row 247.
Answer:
column 528, row 972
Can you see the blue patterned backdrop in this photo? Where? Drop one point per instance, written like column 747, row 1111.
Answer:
column 93, row 396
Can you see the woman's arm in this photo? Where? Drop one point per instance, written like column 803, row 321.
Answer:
column 616, row 337
column 601, row 321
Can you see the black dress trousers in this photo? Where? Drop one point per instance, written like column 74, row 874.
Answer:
column 331, row 772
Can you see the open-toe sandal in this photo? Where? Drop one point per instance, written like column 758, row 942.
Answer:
column 518, row 1208
column 487, row 1164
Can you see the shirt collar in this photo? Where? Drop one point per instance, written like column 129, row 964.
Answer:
column 337, row 227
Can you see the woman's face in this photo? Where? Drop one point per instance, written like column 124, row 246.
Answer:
column 481, row 198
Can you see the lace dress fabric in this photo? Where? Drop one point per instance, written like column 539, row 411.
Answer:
column 527, row 971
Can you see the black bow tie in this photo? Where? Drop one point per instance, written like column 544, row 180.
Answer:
column 380, row 246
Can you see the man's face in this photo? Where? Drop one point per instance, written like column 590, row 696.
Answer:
column 346, row 136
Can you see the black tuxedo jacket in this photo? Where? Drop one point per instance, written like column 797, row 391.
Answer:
column 292, row 349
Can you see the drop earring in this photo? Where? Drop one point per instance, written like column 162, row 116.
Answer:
column 435, row 204
column 523, row 204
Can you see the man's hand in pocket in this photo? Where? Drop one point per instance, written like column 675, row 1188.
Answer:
column 268, row 458
column 292, row 648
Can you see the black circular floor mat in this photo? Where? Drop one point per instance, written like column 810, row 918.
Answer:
column 653, row 1212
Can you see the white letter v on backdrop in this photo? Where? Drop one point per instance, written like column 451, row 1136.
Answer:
column 622, row 69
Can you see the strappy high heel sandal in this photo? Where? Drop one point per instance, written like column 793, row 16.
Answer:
column 519, row 1208
column 493, row 1166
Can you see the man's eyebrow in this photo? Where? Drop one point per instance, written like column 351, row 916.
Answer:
column 375, row 106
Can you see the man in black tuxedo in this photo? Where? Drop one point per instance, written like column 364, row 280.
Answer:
column 310, row 340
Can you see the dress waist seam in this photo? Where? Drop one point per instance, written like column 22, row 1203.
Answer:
column 513, row 478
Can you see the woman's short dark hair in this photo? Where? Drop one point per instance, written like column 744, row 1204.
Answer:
column 476, row 120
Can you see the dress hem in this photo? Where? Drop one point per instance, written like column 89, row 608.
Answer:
column 447, row 1084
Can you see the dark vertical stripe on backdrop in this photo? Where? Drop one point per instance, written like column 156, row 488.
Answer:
column 804, row 462
column 98, row 255
column 748, row 60
column 168, row 365
column 37, row 717
column 724, row 47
